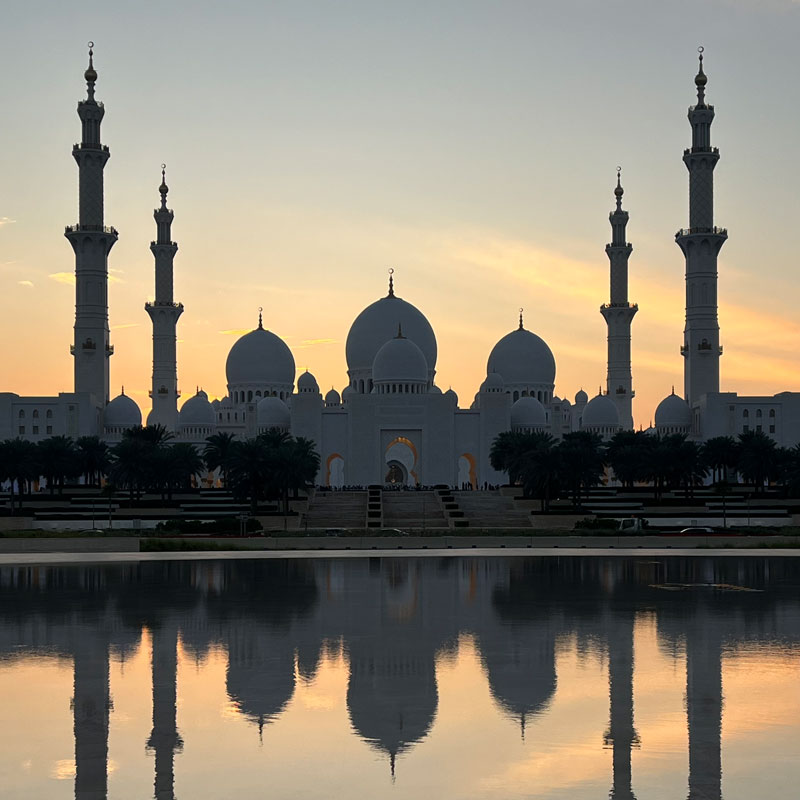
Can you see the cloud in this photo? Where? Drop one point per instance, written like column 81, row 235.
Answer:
column 6, row 221
column 315, row 342
column 119, row 271
column 63, row 277
column 115, row 279
column 26, row 284
column 235, row 331
column 125, row 325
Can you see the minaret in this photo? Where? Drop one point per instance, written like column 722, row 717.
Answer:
column 92, row 242
column 701, row 243
column 164, row 313
column 619, row 314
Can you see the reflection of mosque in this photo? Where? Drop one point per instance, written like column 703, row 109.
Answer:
column 392, row 617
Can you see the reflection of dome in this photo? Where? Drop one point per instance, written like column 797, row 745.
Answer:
column 307, row 384
column 261, row 684
column 332, row 398
column 197, row 411
column 260, row 358
column 272, row 412
column 122, row 413
column 600, row 412
column 400, row 360
column 528, row 412
column 673, row 414
column 524, row 361
column 377, row 324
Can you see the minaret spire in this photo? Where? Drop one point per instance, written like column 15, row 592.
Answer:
column 619, row 314
column 92, row 242
column 164, row 313
column 701, row 243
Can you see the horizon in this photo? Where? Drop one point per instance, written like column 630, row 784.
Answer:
column 475, row 214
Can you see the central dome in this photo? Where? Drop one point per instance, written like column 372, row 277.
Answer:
column 377, row 324
column 260, row 358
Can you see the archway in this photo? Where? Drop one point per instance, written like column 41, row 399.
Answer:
column 397, row 474
column 401, row 459
column 334, row 471
column 466, row 470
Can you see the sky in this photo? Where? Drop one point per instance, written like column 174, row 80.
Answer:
column 470, row 146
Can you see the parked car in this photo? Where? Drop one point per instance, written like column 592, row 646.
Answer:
column 697, row 531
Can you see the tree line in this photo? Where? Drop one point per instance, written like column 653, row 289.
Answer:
column 547, row 469
column 268, row 467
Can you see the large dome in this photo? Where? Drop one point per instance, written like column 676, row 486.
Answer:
column 523, row 359
column 600, row 412
column 378, row 323
column 272, row 412
column 528, row 412
column 122, row 412
column 260, row 358
column 400, row 359
column 197, row 411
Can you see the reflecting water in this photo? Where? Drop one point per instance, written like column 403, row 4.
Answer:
column 405, row 678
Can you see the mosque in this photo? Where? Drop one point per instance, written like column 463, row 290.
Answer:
column 392, row 423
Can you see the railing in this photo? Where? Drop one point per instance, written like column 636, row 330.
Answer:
column 91, row 228
column 90, row 146
column 708, row 150
column 619, row 305
column 165, row 244
column 693, row 231
column 163, row 304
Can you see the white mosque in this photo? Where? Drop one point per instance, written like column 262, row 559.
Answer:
column 392, row 423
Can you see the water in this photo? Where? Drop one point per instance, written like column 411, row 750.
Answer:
column 464, row 677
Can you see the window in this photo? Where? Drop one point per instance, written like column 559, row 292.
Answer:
column 35, row 429
column 22, row 429
column 22, row 413
column 746, row 429
column 50, row 428
column 35, row 414
column 772, row 413
column 758, row 429
column 772, row 429
column 746, row 413
column 758, row 414
column 49, row 414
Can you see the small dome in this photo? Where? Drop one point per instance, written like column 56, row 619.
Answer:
column 260, row 357
column 522, row 358
column 673, row 412
column 401, row 360
column 600, row 412
column 197, row 411
column 493, row 383
column 452, row 396
column 332, row 398
column 307, row 384
column 434, row 390
column 272, row 412
column 556, row 399
column 347, row 391
column 377, row 324
column 122, row 412
column 581, row 397
column 528, row 412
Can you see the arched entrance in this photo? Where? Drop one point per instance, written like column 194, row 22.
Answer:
column 400, row 460
column 397, row 474
column 335, row 471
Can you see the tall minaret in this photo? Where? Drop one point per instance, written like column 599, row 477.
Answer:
column 619, row 314
column 164, row 313
column 701, row 243
column 92, row 243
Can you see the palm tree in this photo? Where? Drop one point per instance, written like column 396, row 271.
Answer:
column 188, row 463
column 155, row 435
column 58, row 460
column 628, row 455
column 250, row 471
column 757, row 458
column 93, row 458
column 132, row 464
column 18, row 464
column 690, row 465
column 218, row 452
column 665, row 462
column 539, row 467
column 581, row 458
column 720, row 454
column 302, row 465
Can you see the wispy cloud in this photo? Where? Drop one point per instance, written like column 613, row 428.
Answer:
column 125, row 325
column 235, row 331
column 63, row 277
column 115, row 279
column 26, row 284
column 6, row 221
column 315, row 342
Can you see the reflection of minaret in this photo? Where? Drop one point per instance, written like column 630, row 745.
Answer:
column 621, row 733
column 164, row 313
column 704, row 710
column 165, row 740
column 618, row 314
column 91, row 704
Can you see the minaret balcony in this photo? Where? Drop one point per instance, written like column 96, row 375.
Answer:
column 163, row 392
column 715, row 231
column 90, row 146
column 702, row 347
column 712, row 150
column 91, row 228
column 163, row 304
column 619, row 305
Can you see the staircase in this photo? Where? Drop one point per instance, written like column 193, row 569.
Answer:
column 491, row 510
column 412, row 510
column 338, row 510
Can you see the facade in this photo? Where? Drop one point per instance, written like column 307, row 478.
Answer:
column 392, row 423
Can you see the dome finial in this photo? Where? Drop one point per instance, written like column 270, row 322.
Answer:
column 163, row 188
column 619, row 191
column 90, row 74
column 673, row 388
column 400, row 331
column 701, row 80
column 391, row 282
column 123, row 390
column 260, row 321
column 520, row 319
